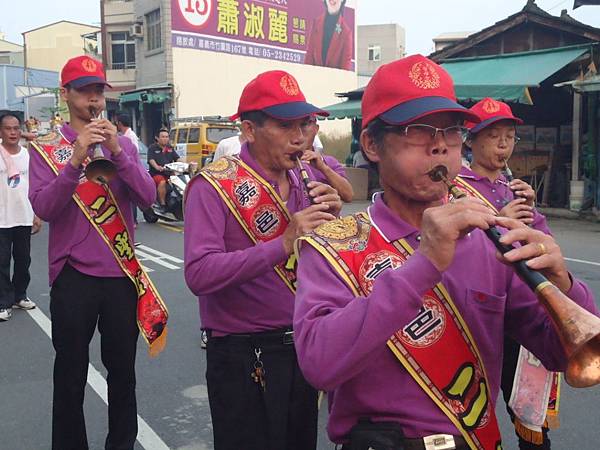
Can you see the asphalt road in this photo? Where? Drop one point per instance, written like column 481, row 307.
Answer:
column 172, row 396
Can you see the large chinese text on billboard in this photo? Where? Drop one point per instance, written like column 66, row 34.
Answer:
column 316, row 32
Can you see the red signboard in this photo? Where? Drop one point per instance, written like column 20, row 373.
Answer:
column 316, row 32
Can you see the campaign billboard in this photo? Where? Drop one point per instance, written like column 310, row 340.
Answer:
column 315, row 32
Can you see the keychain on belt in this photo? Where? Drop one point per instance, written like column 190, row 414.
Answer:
column 258, row 374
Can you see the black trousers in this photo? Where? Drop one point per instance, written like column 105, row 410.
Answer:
column 15, row 244
column 509, row 367
column 77, row 303
column 283, row 417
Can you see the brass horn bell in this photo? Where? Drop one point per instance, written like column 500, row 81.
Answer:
column 100, row 170
column 578, row 329
column 579, row 332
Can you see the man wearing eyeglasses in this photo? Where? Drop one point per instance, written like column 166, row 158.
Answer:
column 242, row 216
column 401, row 311
column 492, row 142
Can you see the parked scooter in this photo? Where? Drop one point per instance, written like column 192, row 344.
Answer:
column 180, row 174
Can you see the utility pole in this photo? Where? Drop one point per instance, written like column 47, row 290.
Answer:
column 25, row 76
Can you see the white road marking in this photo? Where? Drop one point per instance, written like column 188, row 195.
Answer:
column 583, row 261
column 160, row 254
column 147, row 437
column 145, row 253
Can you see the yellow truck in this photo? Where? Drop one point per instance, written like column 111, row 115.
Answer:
column 196, row 138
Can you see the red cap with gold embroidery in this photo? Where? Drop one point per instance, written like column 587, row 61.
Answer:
column 408, row 89
column 490, row 111
column 82, row 71
column 277, row 94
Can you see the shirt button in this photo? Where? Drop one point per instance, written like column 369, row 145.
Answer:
column 494, row 190
column 497, row 201
column 418, row 238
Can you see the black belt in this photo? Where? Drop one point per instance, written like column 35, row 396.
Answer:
column 433, row 442
column 284, row 336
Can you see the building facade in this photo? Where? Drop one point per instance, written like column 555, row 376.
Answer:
column 443, row 40
column 50, row 46
column 36, row 99
column 119, row 49
column 10, row 53
column 378, row 45
column 532, row 59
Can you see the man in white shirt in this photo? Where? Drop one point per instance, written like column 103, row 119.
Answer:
column 17, row 221
column 317, row 144
column 230, row 146
column 123, row 122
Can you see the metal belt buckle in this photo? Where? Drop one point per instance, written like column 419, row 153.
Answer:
column 439, row 442
column 288, row 337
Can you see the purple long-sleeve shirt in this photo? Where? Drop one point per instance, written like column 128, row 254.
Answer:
column 72, row 237
column 237, row 287
column 341, row 339
column 499, row 193
column 333, row 164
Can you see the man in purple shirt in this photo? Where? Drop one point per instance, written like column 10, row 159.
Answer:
column 492, row 142
column 242, row 216
column 446, row 292
column 88, row 285
column 325, row 168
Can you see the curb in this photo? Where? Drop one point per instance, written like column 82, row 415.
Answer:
column 564, row 213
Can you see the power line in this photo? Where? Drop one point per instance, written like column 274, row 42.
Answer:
column 558, row 4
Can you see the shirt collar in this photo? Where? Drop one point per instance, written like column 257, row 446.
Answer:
column 387, row 222
column 466, row 172
column 68, row 132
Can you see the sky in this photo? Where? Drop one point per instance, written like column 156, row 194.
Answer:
column 422, row 19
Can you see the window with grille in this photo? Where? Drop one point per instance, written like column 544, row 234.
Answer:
column 122, row 51
column 374, row 52
column 153, row 34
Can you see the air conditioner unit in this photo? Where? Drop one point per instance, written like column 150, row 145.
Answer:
column 136, row 30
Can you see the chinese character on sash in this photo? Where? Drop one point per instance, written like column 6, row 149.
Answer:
column 102, row 210
column 266, row 221
column 122, row 246
column 379, row 268
column 424, row 324
column 140, row 283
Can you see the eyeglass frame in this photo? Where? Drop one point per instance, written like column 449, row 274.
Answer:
column 515, row 138
column 403, row 129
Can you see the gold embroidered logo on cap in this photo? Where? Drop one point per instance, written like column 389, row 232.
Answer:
column 491, row 106
column 424, row 75
column 89, row 65
column 289, row 85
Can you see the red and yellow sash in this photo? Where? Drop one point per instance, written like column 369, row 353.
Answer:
column 436, row 347
column 254, row 203
column 552, row 411
column 464, row 186
column 100, row 207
